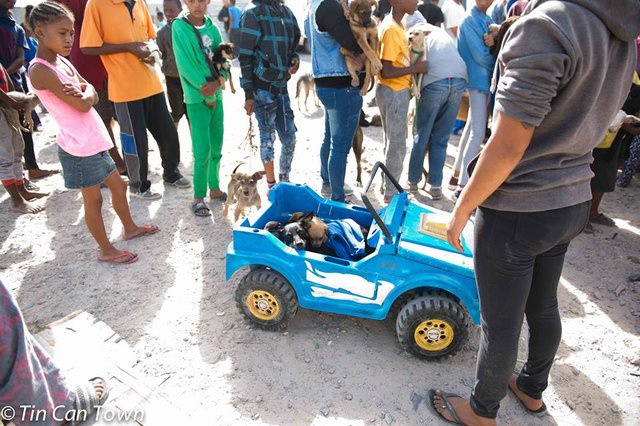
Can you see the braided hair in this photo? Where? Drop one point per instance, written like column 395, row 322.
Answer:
column 48, row 11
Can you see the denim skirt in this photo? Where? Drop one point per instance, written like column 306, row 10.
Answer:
column 84, row 172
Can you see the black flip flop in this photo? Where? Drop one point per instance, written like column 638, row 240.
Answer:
column 445, row 398
column 200, row 209
column 222, row 197
column 540, row 412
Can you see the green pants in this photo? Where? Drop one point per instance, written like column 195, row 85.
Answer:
column 207, row 131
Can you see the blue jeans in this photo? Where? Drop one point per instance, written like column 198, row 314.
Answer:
column 341, row 116
column 274, row 114
column 436, row 113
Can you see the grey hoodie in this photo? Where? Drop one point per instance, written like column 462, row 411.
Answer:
column 566, row 69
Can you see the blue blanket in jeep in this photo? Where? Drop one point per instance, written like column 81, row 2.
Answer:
column 345, row 239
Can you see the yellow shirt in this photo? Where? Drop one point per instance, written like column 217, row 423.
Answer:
column 109, row 22
column 394, row 47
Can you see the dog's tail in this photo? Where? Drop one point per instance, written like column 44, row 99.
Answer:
column 237, row 167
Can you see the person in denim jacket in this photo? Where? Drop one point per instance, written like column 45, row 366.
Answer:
column 269, row 34
column 327, row 30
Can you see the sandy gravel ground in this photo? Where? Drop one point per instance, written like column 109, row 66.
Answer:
column 177, row 311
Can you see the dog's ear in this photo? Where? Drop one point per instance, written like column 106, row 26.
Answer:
column 258, row 175
column 295, row 217
column 353, row 8
column 273, row 226
column 306, row 219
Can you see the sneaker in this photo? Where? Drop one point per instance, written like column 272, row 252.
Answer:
column 182, row 183
column 456, row 194
column 325, row 191
column 453, row 183
column 283, row 177
column 413, row 188
column 435, row 192
column 146, row 195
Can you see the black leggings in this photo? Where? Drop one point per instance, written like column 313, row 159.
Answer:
column 518, row 262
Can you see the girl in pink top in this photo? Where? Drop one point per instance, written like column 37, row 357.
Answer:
column 83, row 140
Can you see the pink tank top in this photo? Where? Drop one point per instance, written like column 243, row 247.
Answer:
column 82, row 134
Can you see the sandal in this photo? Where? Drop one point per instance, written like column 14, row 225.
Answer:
column 445, row 398
column 87, row 399
column 603, row 219
column 540, row 412
column 222, row 197
column 146, row 230
column 122, row 259
column 200, row 209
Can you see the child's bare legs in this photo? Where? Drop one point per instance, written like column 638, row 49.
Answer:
column 118, row 189
column 29, row 195
column 93, row 217
column 18, row 202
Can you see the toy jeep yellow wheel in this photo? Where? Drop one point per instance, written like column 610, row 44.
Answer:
column 431, row 326
column 266, row 299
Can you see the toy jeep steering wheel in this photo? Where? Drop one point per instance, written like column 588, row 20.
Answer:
column 365, row 198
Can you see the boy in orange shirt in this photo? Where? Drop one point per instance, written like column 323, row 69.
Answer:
column 392, row 93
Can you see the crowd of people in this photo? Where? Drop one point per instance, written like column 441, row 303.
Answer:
column 531, row 185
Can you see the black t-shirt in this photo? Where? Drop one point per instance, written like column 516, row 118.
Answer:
column 432, row 13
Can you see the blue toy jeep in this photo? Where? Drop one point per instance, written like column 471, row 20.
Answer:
column 409, row 268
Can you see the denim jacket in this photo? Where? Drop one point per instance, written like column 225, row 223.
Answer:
column 326, row 59
column 476, row 55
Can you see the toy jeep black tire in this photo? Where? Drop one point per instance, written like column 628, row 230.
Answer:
column 266, row 299
column 431, row 326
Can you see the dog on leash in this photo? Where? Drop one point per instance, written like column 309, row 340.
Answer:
column 13, row 116
column 306, row 85
column 418, row 52
column 365, row 30
column 243, row 191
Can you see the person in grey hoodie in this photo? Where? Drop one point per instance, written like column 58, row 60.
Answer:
column 531, row 186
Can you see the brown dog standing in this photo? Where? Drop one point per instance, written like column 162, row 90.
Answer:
column 243, row 190
column 365, row 30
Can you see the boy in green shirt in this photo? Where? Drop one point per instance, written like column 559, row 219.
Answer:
column 203, row 97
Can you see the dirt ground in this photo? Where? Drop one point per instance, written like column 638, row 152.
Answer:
column 177, row 311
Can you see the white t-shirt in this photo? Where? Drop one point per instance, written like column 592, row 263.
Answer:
column 453, row 15
column 443, row 58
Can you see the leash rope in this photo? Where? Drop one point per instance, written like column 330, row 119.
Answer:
column 248, row 142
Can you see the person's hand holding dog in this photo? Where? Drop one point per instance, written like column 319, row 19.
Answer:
column 419, row 68
column 209, row 88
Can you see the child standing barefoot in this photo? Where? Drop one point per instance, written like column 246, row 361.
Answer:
column 11, row 151
column 83, row 142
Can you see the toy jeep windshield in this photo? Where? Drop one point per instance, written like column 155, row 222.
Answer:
column 409, row 268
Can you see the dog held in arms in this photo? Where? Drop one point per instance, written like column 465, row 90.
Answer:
column 365, row 30
column 13, row 116
column 221, row 59
column 243, row 191
column 418, row 53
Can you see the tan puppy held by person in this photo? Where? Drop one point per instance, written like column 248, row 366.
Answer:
column 416, row 45
column 13, row 116
column 243, row 191
column 365, row 30
column 317, row 230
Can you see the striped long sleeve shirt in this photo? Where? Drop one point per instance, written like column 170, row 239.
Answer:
column 269, row 37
